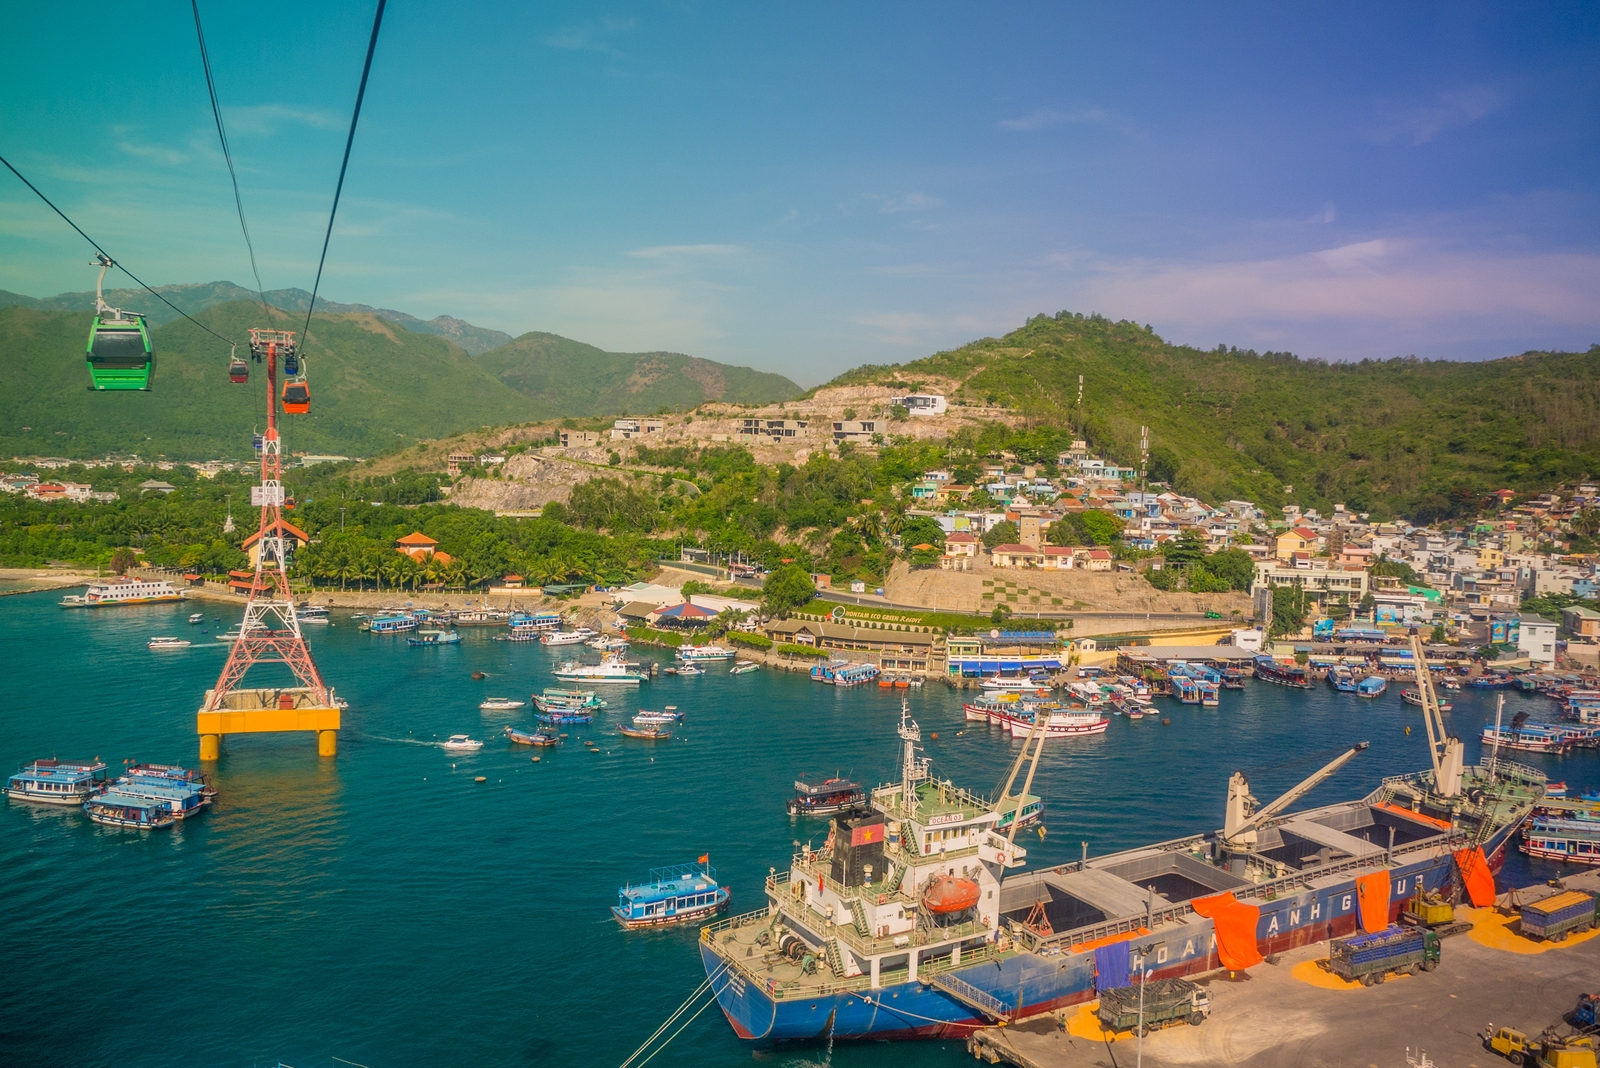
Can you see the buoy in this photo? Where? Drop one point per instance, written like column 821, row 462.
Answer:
column 936, row 736
column 1165, row 722
column 481, row 778
column 536, row 760
column 477, row 674
column 1408, row 730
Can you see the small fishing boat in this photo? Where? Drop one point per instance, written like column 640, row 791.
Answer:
column 57, row 782
column 826, row 798
column 1372, row 686
column 566, row 715
column 541, row 736
column 743, row 667
column 461, row 742
column 678, row 894
column 500, row 704
column 197, row 617
column 1414, row 697
column 116, row 809
column 648, row 733
column 434, row 637
column 167, row 643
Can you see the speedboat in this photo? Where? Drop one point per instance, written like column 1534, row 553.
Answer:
column 669, row 715
column 566, row 637
column 743, row 667
column 312, row 613
column 686, row 671
column 167, row 643
column 462, row 742
column 500, row 704
column 198, row 617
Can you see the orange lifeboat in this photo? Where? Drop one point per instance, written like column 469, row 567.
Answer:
column 948, row 894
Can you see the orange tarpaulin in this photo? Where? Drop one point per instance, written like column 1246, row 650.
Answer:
column 1477, row 877
column 1235, row 926
column 1443, row 825
column 1372, row 895
column 1138, row 932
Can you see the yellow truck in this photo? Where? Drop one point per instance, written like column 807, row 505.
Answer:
column 1549, row 1050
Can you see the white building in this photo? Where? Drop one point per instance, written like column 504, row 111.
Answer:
column 921, row 403
column 1537, row 639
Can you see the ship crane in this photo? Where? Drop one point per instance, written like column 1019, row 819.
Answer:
column 1244, row 818
column 1444, row 750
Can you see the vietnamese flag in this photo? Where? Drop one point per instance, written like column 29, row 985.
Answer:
column 705, row 858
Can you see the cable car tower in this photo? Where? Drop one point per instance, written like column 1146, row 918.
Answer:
column 270, row 632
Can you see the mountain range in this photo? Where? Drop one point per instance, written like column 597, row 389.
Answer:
column 380, row 379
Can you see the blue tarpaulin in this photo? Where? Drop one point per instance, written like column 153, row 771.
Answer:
column 1111, row 965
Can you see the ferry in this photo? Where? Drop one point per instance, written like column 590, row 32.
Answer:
column 540, row 737
column 844, row 673
column 481, row 617
column 1066, row 723
column 1186, row 689
column 1568, row 841
column 1341, row 678
column 611, row 669
column 1274, row 671
column 396, row 624
column 992, row 708
column 461, row 742
column 174, row 772
column 1412, row 696
column 679, row 894
column 116, row 809
column 435, row 637
column 1528, row 737
column 1015, row 684
column 519, row 634
column 123, row 591
column 500, row 704
column 57, row 782
column 535, row 620
column 197, row 617
column 182, row 797
column 860, row 954
column 700, row 654
column 566, row 637
column 827, row 798
column 168, row 643
column 556, row 699
column 1372, row 686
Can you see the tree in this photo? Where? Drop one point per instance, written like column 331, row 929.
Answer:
column 1367, row 604
column 1233, row 566
column 1439, row 635
column 788, row 587
column 998, row 616
column 1063, row 532
column 122, row 559
column 920, row 530
column 1002, row 533
column 1290, row 605
column 1187, row 548
column 1102, row 528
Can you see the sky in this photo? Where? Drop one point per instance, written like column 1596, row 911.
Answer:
column 804, row 188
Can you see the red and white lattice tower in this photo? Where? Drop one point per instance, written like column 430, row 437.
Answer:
column 270, row 632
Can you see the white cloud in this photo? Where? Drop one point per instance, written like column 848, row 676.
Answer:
column 1044, row 118
column 589, row 36
column 1418, row 124
column 155, row 153
column 665, row 252
column 265, row 119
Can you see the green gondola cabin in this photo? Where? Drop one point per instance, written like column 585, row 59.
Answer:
column 119, row 353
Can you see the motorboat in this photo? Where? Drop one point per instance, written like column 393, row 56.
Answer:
column 542, row 736
column 197, row 617
column 435, row 637
column 168, row 643
column 743, row 667
column 460, row 742
column 567, row 637
column 500, row 704
column 669, row 715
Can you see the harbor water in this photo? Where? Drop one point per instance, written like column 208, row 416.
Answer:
column 384, row 908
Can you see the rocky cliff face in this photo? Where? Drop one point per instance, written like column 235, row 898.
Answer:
column 527, row 481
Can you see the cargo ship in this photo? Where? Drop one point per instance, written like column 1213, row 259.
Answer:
column 123, row 591
column 851, row 945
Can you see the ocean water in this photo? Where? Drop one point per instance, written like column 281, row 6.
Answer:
column 383, row 908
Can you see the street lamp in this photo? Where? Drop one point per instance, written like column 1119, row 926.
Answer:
column 1144, row 971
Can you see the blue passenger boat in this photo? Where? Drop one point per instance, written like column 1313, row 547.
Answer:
column 57, row 782
column 844, row 673
column 677, row 894
column 183, row 798
column 390, row 624
column 566, row 715
column 1372, row 686
column 434, row 637
column 1341, row 678
column 117, row 809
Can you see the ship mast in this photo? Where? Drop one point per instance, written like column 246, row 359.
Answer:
column 1444, row 751
column 912, row 770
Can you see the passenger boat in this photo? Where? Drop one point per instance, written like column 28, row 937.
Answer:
column 1186, row 689
column 182, row 797
column 608, row 643
column 613, row 668
column 670, row 714
column 827, row 798
column 109, row 592
column 1060, row 724
column 1210, row 694
column 1341, row 678
column 1412, row 696
column 1567, row 841
column 397, row 624
column 535, row 620
column 855, row 952
column 1014, row 684
column 168, row 643
column 743, row 667
column 435, row 637
column 481, row 617
column 566, row 715
column 1372, row 686
column 197, row 617
column 500, row 704
column 542, row 736
column 701, row 654
column 844, row 673
column 57, row 782
column 116, row 809
column 566, row 637
column 519, row 634
column 176, row 773
column 554, row 698
column 311, row 613
column 992, row 708
column 1527, row 737
column 647, row 732
column 461, row 742
column 1282, row 674
column 679, row 894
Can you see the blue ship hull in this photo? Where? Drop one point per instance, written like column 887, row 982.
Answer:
column 1035, row 984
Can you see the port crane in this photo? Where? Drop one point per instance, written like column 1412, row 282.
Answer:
column 1243, row 818
column 1444, row 750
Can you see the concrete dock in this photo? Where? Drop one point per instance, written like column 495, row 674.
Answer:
column 1296, row 1013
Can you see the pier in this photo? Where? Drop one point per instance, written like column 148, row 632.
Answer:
column 1294, row 1012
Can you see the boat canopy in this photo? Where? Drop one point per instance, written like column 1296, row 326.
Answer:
column 825, row 789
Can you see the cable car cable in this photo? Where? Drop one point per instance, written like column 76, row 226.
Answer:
column 108, row 255
column 227, row 153
column 355, row 117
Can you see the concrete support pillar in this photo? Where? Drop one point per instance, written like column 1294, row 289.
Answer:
column 210, row 746
column 911, row 963
column 327, row 743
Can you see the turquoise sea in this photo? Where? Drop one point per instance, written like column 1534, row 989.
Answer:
column 382, row 908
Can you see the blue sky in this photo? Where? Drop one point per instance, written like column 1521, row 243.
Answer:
column 804, row 188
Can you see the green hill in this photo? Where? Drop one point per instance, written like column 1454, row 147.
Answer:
column 565, row 377
column 1413, row 437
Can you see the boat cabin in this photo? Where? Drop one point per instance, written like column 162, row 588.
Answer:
column 117, row 809
column 826, row 798
column 56, row 782
column 183, row 798
column 674, row 894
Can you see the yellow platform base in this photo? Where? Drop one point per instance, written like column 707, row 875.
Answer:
column 267, row 711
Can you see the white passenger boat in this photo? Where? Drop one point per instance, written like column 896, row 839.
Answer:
column 197, row 617
column 700, row 654
column 1060, row 724
column 57, row 782
column 500, row 704
column 460, row 742
column 743, row 667
column 613, row 668
column 123, row 591
column 167, row 643
column 567, row 637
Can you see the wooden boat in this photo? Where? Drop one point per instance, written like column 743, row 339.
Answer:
column 541, row 737
column 647, row 733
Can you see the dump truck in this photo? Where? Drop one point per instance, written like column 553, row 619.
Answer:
column 1558, row 915
column 1166, row 1002
column 1549, row 1050
column 1370, row 958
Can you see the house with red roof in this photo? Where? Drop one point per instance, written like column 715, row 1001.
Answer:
column 1017, row 556
column 293, row 538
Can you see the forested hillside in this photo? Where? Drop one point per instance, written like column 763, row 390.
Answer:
column 1413, row 437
